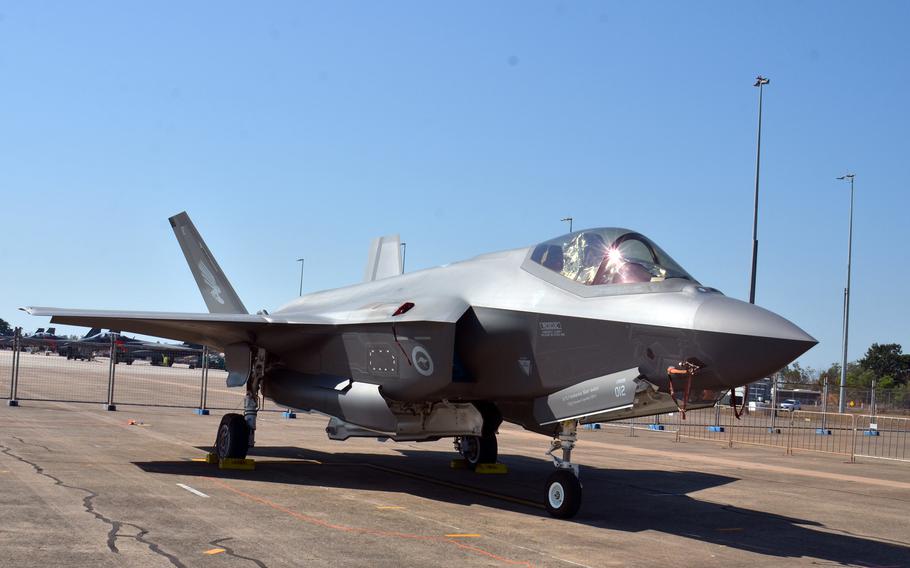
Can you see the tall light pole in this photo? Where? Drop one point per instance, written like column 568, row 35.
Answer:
column 569, row 219
column 843, row 369
column 404, row 250
column 760, row 82
column 301, row 261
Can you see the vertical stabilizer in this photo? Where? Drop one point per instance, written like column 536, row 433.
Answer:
column 385, row 258
column 219, row 295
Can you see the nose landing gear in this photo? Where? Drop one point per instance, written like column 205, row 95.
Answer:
column 563, row 491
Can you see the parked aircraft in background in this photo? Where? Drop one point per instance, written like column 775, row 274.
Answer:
column 592, row 326
column 43, row 339
column 128, row 349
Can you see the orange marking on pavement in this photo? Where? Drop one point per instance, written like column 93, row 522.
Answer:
column 214, row 551
column 360, row 530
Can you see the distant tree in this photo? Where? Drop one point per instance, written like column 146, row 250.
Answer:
column 886, row 360
column 795, row 373
column 831, row 375
column 5, row 329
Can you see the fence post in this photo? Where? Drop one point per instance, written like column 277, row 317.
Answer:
column 14, row 373
column 825, row 407
column 853, row 443
column 732, row 419
column 790, row 435
column 204, row 383
column 774, row 386
column 110, row 374
column 678, row 425
column 872, row 401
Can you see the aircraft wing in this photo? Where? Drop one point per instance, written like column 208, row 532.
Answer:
column 216, row 330
column 276, row 333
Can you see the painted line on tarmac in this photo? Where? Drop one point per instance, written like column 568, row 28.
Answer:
column 463, row 535
column 191, row 490
column 214, row 551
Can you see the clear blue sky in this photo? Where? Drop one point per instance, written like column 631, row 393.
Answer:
column 303, row 129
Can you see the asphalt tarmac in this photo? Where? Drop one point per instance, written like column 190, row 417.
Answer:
column 80, row 486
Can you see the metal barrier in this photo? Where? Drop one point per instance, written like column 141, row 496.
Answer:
column 884, row 437
column 116, row 376
column 850, row 435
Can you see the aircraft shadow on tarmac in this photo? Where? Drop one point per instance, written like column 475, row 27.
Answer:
column 630, row 500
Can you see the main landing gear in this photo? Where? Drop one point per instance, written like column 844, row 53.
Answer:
column 481, row 449
column 563, row 494
column 477, row 449
column 237, row 433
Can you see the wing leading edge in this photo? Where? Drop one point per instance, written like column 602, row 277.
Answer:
column 216, row 330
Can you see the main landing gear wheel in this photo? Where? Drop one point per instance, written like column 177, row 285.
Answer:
column 233, row 439
column 478, row 449
column 563, row 494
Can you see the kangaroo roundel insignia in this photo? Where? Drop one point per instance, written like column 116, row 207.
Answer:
column 422, row 361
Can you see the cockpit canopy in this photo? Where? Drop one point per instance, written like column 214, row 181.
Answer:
column 595, row 257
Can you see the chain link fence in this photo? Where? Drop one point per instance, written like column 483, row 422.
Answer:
column 812, row 396
column 850, row 434
column 132, row 377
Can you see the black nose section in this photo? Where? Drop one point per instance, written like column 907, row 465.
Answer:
column 742, row 342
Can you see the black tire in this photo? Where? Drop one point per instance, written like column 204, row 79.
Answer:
column 563, row 494
column 233, row 440
column 479, row 449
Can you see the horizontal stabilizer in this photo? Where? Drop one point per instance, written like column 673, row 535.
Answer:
column 385, row 258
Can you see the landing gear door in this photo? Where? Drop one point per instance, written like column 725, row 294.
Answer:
column 238, row 359
column 601, row 394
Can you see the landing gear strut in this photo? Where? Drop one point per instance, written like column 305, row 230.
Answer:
column 563, row 493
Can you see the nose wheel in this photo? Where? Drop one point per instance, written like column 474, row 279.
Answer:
column 563, row 494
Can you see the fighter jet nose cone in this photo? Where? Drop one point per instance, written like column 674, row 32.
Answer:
column 747, row 342
column 726, row 315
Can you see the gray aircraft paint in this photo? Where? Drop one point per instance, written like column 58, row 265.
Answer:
column 497, row 328
column 384, row 260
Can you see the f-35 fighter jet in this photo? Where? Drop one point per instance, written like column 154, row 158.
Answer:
column 592, row 326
